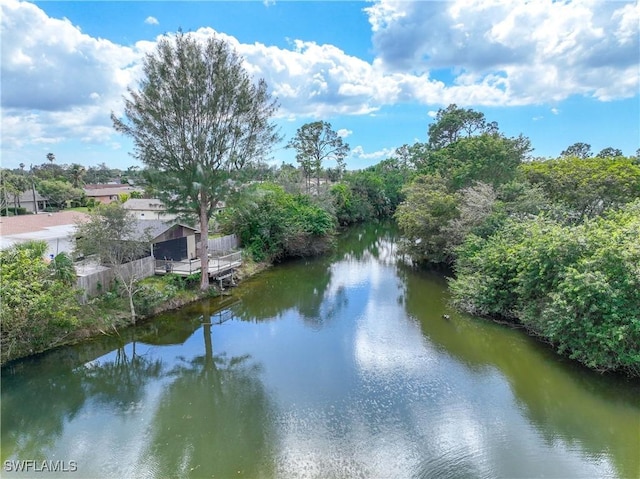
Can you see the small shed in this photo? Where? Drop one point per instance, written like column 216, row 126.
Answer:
column 171, row 240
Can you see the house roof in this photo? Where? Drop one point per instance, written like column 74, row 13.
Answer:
column 26, row 197
column 12, row 225
column 114, row 190
column 150, row 204
column 98, row 186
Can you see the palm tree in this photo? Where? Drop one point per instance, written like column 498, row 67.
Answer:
column 51, row 157
column 77, row 174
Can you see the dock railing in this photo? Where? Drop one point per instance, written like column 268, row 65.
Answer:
column 217, row 265
column 184, row 267
column 223, row 263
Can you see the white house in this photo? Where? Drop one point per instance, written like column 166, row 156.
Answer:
column 148, row 209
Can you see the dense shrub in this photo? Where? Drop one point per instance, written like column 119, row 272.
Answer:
column 576, row 286
column 273, row 224
column 38, row 306
column 147, row 297
column 372, row 193
column 14, row 211
column 423, row 217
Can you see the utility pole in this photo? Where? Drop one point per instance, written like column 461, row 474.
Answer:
column 33, row 190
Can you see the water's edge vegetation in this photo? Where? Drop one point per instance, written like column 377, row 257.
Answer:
column 549, row 244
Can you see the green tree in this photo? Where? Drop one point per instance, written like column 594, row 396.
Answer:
column 288, row 176
column 37, row 309
column 50, row 171
column 422, row 217
column 77, row 173
column 114, row 234
column 579, row 150
column 100, row 174
column 609, row 152
column 196, row 117
column 273, row 224
column 576, row 286
column 489, row 158
column 394, row 174
column 11, row 187
column 315, row 143
column 369, row 191
column 59, row 192
column 586, row 186
column 453, row 123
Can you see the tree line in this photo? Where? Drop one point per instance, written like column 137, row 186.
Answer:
column 61, row 184
column 548, row 244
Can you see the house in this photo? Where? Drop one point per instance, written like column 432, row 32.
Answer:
column 148, row 209
column 25, row 200
column 109, row 192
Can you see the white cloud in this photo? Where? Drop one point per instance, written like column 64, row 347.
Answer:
column 151, row 21
column 359, row 152
column 59, row 83
column 555, row 111
column 344, row 133
column 513, row 52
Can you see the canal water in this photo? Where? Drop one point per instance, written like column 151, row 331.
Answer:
column 335, row 367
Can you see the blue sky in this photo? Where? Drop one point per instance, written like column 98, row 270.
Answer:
column 557, row 72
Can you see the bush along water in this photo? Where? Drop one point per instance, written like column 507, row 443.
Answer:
column 577, row 286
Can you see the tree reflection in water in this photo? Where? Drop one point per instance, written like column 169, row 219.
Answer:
column 564, row 400
column 31, row 423
column 303, row 289
column 121, row 382
column 213, row 419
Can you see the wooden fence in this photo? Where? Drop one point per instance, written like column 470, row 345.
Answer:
column 223, row 245
column 101, row 281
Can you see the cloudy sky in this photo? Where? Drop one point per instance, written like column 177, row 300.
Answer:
column 557, row 72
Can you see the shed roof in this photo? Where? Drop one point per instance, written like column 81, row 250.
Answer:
column 155, row 228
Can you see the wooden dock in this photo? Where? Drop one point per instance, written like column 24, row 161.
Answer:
column 220, row 267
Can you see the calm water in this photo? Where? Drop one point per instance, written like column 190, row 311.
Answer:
column 339, row 367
